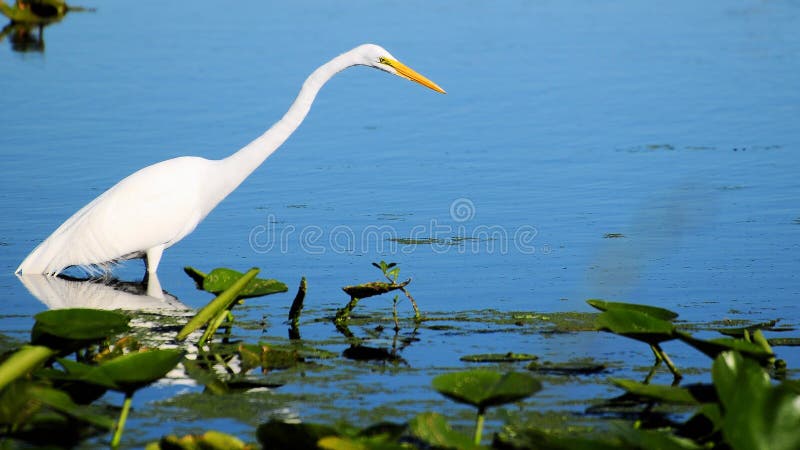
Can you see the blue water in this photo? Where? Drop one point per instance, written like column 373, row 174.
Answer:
column 674, row 125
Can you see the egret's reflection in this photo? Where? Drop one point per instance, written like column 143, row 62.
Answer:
column 67, row 292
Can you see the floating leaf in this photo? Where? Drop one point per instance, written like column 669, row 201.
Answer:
column 499, row 357
column 784, row 342
column 667, row 394
column 756, row 414
column 654, row 311
column 485, row 388
column 195, row 275
column 70, row 329
column 365, row 353
column 127, row 373
column 713, row 347
column 652, row 439
column 738, row 332
column 374, row 288
column 568, row 368
column 218, row 305
column 221, row 279
column 636, row 325
column 433, row 429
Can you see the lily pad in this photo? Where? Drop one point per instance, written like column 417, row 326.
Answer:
column 666, row 394
column 374, row 288
column 499, row 357
column 127, row 373
column 433, row 429
column 220, row 279
column 485, row 388
column 654, row 311
column 568, row 368
column 636, row 325
column 70, row 329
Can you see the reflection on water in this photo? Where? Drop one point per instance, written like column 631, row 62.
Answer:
column 64, row 292
column 28, row 18
column 24, row 37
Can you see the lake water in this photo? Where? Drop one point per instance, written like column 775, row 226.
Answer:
column 632, row 151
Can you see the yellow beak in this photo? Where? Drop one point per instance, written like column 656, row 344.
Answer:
column 409, row 73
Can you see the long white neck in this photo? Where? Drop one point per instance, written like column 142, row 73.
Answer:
column 234, row 169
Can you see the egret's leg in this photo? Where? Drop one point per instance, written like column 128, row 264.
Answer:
column 154, row 286
column 153, row 257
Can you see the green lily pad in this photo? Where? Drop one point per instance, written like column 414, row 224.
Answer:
column 666, row 394
column 217, row 306
column 374, row 288
column 220, row 279
column 127, row 373
column 654, row 311
column 499, row 357
column 756, row 413
column 784, row 342
column 653, row 439
column 577, row 367
column 70, row 329
column 636, row 325
column 738, row 332
column 713, row 347
column 433, row 429
column 485, row 388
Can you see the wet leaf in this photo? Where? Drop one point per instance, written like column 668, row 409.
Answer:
column 222, row 302
column 713, row 347
column 636, row 325
column 499, row 357
column 784, row 342
column 432, row 429
column 221, row 279
column 654, row 311
column 195, row 275
column 756, row 414
column 130, row 372
column 652, row 439
column 666, row 394
column 365, row 290
column 70, row 329
column 567, row 368
column 485, row 388
column 738, row 332
column 297, row 307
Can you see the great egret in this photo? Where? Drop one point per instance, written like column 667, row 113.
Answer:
column 159, row 205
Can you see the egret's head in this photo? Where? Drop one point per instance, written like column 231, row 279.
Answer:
column 377, row 57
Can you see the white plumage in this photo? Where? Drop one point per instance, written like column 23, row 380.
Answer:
column 159, row 205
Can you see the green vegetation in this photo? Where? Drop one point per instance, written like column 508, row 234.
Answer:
column 52, row 388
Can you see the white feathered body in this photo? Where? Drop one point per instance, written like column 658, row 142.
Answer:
column 157, row 205
column 160, row 204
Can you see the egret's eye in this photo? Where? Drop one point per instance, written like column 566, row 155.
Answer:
column 383, row 60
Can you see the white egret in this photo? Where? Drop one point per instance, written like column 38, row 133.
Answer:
column 159, row 205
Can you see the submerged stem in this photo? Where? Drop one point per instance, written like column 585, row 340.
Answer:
column 661, row 354
column 123, row 417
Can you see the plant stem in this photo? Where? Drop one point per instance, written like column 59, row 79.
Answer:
column 661, row 354
column 123, row 416
column 479, row 426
